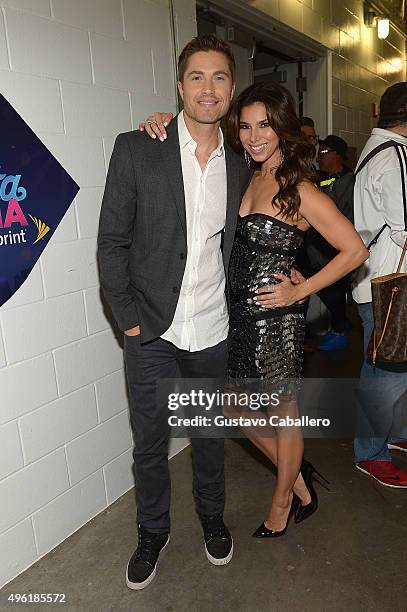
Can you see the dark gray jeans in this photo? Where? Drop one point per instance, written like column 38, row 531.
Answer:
column 146, row 364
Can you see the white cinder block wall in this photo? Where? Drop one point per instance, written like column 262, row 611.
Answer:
column 79, row 72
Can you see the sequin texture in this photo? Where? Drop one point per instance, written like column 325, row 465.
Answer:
column 265, row 344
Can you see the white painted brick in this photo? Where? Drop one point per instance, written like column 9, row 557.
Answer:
column 27, row 386
column 108, row 144
column 69, row 512
column 11, row 456
column 29, row 292
column 396, row 39
column 95, row 111
column 36, row 99
column 4, row 63
column 31, row 488
column 188, row 8
column 348, row 136
column 94, row 449
column 330, row 36
column 55, row 50
column 322, row 7
column 312, row 23
column 17, row 551
column 185, row 29
column 37, row 328
column 121, row 64
column 83, row 362
column 39, row 7
column 66, row 230
column 88, row 203
column 338, row 67
column 339, row 117
column 86, row 168
column 270, row 7
column 111, row 393
column 96, row 311
column 291, row 14
column 2, row 353
column 119, row 476
column 142, row 106
column 103, row 16
column 69, row 266
column 148, row 25
column 346, row 44
column 163, row 73
column 51, row 426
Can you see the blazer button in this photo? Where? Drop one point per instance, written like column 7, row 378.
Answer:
column 175, row 289
column 182, row 255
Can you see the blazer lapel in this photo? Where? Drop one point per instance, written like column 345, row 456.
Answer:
column 172, row 163
column 232, row 202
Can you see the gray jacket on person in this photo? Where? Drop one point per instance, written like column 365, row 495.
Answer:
column 142, row 240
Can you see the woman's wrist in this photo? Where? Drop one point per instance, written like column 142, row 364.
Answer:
column 302, row 290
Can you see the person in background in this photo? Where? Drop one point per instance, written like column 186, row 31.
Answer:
column 332, row 165
column 332, row 154
column 308, row 131
column 378, row 204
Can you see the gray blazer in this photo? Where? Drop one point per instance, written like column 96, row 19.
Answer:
column 142, row 241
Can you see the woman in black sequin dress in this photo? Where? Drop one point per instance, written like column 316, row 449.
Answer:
column 266, row 320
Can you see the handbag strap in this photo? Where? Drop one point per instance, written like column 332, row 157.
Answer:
column 401, row 154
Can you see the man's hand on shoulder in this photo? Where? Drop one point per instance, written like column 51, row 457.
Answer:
column 155, row 125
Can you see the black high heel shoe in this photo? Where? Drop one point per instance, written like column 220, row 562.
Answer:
column 264, row 532
column 307, row 472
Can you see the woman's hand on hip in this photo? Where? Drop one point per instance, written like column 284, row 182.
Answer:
column 283, row 294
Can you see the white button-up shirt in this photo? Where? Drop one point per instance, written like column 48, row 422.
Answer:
column 377, row 201
column 201, row 318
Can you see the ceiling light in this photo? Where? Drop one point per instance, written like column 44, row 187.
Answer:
column 383, row 27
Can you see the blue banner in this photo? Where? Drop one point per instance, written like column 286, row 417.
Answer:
column 35, row 193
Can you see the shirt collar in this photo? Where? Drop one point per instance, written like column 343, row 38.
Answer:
column 186, row 139
column 388, row 134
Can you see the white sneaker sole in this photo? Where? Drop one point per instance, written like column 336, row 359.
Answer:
column 137, row 586
column 216, row 561
column 395, row 447
column 385, row 484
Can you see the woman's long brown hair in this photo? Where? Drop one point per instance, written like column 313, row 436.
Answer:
column 296, row 153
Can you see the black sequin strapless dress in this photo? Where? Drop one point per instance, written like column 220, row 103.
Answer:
column 265, row 344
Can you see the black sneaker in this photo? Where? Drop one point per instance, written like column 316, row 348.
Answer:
column 218, row 541
column 142, row 566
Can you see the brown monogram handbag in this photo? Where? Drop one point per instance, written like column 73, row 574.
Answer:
column 387, row 348
column 388, row 343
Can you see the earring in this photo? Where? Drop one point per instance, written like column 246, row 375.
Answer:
column 247, row 157
column 282, row 155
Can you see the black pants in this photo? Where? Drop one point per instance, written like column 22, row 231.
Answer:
column 146, row 364
column 334, row 298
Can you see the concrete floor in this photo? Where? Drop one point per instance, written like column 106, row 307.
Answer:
column 349, row 556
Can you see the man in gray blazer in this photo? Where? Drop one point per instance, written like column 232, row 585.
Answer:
column 166, row 230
